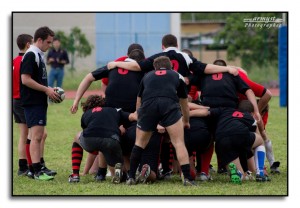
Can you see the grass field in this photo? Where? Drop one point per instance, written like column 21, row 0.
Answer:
column 62, row 126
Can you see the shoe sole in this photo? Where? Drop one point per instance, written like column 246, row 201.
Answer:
column 118, row 174
column 144, row 173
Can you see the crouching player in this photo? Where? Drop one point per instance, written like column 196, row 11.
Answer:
column 235, row 135
column 100, row 133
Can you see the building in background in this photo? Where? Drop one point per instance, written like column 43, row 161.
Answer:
column 109, row 33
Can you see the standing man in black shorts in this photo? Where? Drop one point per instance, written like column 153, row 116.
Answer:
column 34, row 92
column 158, row 102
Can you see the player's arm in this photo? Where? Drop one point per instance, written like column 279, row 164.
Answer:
column 83, row 86
column 251, row 97
column 264, row 100
column 185, row 112
column 132, row 66
column 138, row 102
column 201, row 112
column 193, row 106
column 29, row 82
column 214, row 69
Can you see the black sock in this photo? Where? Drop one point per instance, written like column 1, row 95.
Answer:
column 186, row 171
column 165, row 157
column 23, row 165
column 42, row 161
column 102, row 171
column 198, row 159
column 135, row 159
column 37, row 167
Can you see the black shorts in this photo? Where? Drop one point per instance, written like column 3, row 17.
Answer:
column 229, row 147
column 18, row 111
column 36, row 115
column 164, row 111
column 110, row 148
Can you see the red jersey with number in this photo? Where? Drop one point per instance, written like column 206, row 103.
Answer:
column 16, row 75
column 122, row 58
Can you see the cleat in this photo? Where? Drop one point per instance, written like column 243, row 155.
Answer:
column 145, row 173
column 165, row 176
column 187, row 182
column 99, row 178
column 41, row 176
column 203, row 177
column 74, row 178
column 211, row 169
column 130, row 181
column 249, row 176
column 222, row 171
column 48, row 171
column 118, row 174
column 30, row 174
column 234, row 175
column 275, row 167
column 23, row 172
column 263, row 178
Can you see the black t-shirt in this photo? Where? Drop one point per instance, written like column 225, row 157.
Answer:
column 103, row 122
column 122, row 89
column 33, row 65
column 162, row 83
column 232, row 122
column 220, row 90
column 180, row 62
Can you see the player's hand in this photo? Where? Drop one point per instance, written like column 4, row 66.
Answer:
column 257, row 116
column 133, row 116
column 233, row 70
column 160, row 129
column 74, row 108
column 186, row 80
column 52, row 94
column 111, row 65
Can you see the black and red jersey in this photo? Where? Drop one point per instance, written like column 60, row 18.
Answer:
column 16, row 76
column 103, row 122
column 220, row 90
column 123, row 87
column 162, row 83
column 231, row 121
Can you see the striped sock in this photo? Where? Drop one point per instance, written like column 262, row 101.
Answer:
column 77, row 153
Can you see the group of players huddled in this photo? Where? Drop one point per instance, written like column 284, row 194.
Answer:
column 172, row 104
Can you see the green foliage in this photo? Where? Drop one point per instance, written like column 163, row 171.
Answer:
column 253, row 44
column 75, row 43
column 62, row 127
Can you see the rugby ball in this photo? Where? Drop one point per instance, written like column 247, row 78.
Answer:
column 61, row 93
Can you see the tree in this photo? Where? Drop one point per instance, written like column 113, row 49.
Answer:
column 254, row 44
column 76, row 44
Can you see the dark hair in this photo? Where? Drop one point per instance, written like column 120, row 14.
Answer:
column 220, row 62
column 134, row 46
column 246, row 106
column 188, row 52
column 137, row 55
column 56, row 38
column 162, row 62
column 22, row 40
column 43, row 33
column 92, row 101
column 169, row 41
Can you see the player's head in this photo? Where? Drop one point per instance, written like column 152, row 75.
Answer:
column 56, row 43
column 43, row 38
column 24, row 41
column 188, row 52
column 246, row 106
column 137, row 55
column 134, row 46
column 92, row 101
column 169, row 40
column 162, row 62
column 220, row 62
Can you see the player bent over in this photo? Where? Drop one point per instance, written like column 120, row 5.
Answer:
column 158, row 102
column 100, row 133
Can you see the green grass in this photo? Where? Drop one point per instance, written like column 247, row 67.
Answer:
column 62, row 126
column 264, row 75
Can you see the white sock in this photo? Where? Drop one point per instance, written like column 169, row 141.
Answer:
column 269, row 152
